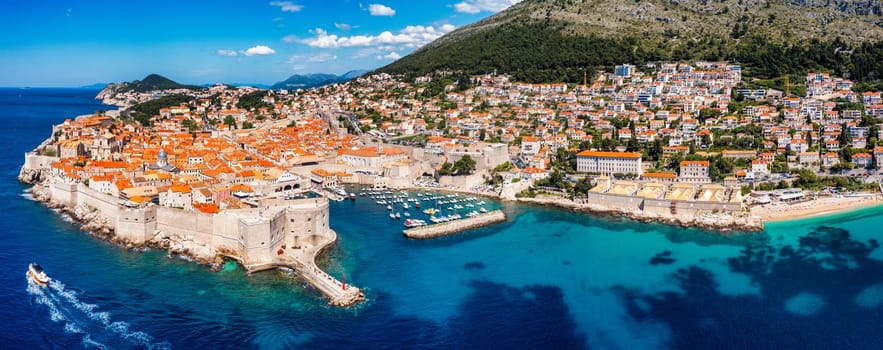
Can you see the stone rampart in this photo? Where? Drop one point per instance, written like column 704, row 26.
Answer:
column 617, row 201
column 190, row 225
column 35, row 161
column 137, row 225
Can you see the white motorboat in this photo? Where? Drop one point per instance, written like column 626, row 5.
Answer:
column 36, row 274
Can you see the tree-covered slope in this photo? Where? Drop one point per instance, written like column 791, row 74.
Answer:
column 556, row 40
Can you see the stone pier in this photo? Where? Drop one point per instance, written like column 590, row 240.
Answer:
column 304, row 263
column 451, row 227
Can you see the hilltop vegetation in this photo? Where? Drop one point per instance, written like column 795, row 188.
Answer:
column 557, row 40
column 154, row 82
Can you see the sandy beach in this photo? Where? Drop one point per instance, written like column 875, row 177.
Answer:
column 815, row 207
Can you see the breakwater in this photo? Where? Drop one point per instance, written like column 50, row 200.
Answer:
column 451, row 227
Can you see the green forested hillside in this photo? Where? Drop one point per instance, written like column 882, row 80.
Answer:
column 556, row 40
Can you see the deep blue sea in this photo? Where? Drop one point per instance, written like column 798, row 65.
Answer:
column 546, row 278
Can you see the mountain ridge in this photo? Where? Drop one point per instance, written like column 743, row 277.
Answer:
column 306, row 81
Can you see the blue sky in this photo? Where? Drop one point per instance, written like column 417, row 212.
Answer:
column 74, row 43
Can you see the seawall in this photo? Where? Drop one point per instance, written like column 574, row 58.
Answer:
column 451, row 227
column 716, row 217
column 290, row 234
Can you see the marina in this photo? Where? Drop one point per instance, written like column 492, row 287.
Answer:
column 440, row 209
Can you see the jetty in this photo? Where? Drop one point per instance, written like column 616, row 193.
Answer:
column 451, row 227
column 303, row 262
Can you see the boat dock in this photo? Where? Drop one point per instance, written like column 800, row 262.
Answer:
column 451, row 227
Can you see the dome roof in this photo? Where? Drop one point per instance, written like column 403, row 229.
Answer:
column 162, row 154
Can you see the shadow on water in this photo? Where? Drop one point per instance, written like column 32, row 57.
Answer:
column 495, row 316
column 617, row 223
column 825, row 293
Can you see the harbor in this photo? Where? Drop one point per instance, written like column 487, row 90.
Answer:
column 456, row 226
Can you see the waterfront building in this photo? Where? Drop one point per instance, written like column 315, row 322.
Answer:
column 694, row 171
column 609, row 162
column 372, row 157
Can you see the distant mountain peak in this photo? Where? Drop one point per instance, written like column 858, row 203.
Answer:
column 312, row 80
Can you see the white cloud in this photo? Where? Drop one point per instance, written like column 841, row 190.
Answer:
column 260, row 50
column 381, row 10
column 287, row 6
column 290, row 39
column 315, row 58
column 227, row 53
column 409, row 37
column 342, row 26
column 390, row 56
column 476, row 6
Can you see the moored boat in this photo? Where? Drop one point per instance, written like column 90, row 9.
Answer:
column 414, row 223
column 36, row 274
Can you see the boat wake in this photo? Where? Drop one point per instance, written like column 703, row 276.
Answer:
column 96, row 328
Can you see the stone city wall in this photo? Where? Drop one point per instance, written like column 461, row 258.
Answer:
column 616, row 201
column 657, row 206
column 36, row 161
column 255, row 233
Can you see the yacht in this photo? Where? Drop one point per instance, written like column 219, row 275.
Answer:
column 36, row 274
column 414, row 223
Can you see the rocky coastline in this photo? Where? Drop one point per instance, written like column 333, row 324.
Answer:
column 92, row 222
column 713, row 222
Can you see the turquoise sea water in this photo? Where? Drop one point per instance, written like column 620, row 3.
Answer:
column 546, row 278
